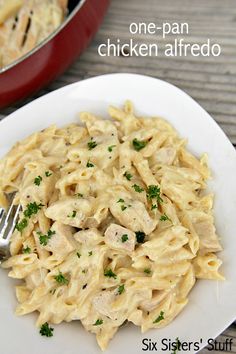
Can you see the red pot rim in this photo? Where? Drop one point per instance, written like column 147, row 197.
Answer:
column 45, row 41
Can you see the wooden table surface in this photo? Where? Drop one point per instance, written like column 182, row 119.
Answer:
column 210, row 81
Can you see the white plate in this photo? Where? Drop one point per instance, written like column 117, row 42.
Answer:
column 211, row 305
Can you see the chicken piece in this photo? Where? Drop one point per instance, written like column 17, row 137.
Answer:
column 120, row 238
column 165, row 156
column 151, row 304
column 103, row 303
column 133, row 215
column 70, row 211
column 207, row 234
column 89, row 237
column 61, row 243
column 37, row 187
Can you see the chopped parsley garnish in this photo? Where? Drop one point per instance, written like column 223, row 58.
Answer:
column 137, row 188
column 92, row 145
column 73, row 214
column 48, row 173
column 43, row 239
column 140, row 236
column 61, row 279
column 127, row 175
column 159, row 318
column 165, row 217
column 121, row 289
column 123, row 207
column 109, row 273
column 20, row 226
column 26, row 250
column 89, row 164
column 78, row 254
column 124, row 238
column 98, row 322
column 84, row 271
column 90, row 253
column 38, row 180
column 138, row 144
column 111, row 147
column 32, row 208
column 154, row 192
column 120, row 201
column 147, row 270
column 154, row 206
column 45, row 330
column 79, row 195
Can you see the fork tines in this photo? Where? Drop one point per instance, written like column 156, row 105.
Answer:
column 8, row 220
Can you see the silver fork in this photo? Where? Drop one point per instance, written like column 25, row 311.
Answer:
column 8, row 220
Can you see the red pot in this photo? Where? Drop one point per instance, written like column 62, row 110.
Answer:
column 50, row 58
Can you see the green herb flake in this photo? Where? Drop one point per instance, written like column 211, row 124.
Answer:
column 165, row 217
column 123, row 207
column 45, row 330
column 177, row 346
column 43, row 239
column 121, row 289
column 48, row 173
column 26, row 250
column 154, row 206
column 78, row 254
column 20, row 226
column 140, row 236
column 91, row 145
column 32, row 209
column 147, row 270
column 109, row 273
column 159, row 318
column 127, row 175
column 73, row 214
column 154, row 192
column 138, row 144
column 137, row 188
column 61, row 279
column 111, row 147
column 38, row 180
column 90, row 253
column 99, row 322
column 120, row 200
column 79, row 195
column 124, row 238
column 89, row 164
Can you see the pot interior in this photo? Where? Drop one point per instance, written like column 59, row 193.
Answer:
column 72, row 5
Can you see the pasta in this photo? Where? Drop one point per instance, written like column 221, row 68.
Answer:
column 116, row 224
column 26, row 23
